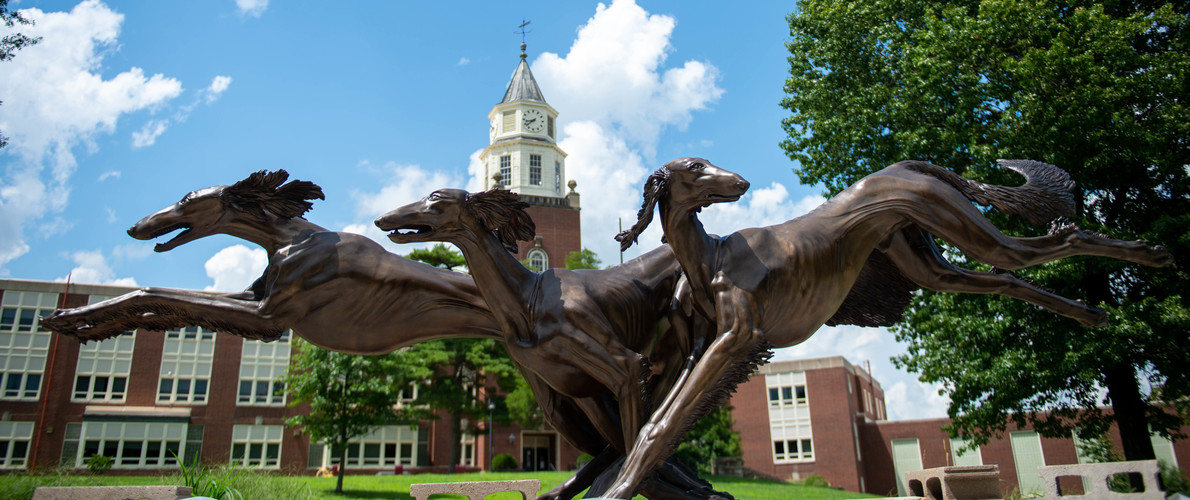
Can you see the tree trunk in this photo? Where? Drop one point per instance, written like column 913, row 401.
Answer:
column 456, row 437
column 1129, row 412
column 342, row 467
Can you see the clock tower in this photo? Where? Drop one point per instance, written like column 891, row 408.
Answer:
column 523, row 157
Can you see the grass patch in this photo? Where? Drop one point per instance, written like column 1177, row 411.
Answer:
column 264, row 485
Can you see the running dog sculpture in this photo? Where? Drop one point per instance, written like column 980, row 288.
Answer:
column 775, row 286
column 344, row 292
column 585, row 333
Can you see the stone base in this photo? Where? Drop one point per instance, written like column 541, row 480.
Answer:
column 955, row 483
column 477, row 490
column 111, row 492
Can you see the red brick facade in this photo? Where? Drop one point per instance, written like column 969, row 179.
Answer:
column 837, row 420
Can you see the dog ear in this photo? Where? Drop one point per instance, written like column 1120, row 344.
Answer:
column 264, row 191
column 656, row 187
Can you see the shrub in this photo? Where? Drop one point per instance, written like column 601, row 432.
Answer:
column 99, row 464
column 503, row 461
column 582, row 460
column 815, row 480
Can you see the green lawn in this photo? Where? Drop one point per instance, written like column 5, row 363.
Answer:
column 266, row 486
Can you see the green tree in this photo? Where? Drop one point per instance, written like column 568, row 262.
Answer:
column 439, row 255
column 1098, row 88
column 583, row 259
column 13, row 41
column 467, row 373
column 711, row 437
column 349, row 395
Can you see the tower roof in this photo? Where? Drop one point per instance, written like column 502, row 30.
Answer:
column 523, row 86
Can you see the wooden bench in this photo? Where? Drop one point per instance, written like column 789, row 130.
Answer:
column 477, row 490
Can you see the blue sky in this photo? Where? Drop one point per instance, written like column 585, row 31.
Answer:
column 126, row 106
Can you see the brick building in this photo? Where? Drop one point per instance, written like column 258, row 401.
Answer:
column 826, row 417
column 144, row 396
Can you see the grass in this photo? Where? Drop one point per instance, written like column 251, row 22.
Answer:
column 272, row 486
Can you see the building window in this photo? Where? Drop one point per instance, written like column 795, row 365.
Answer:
column 505, row 170
column 103, row 367
column 467, row 449
column 256, row 446
column 408, row 395
column 14, row 444
column 186, row 360
column 789, row 417
column 794, row 395
column 550, row 121
column 23, row 344
column 538, row 260
column 792, row 450
column 384, row 447
column 535, row 170
column 261, row 364
column 558, row 177
column 133, row 444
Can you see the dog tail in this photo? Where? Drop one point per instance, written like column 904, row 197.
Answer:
column 1045, row 196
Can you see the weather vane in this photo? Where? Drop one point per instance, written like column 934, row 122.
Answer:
column 521, row 29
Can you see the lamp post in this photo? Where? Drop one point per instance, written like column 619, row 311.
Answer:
column 491, row 413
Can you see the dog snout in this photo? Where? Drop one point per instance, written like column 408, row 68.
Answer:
column 742, row 184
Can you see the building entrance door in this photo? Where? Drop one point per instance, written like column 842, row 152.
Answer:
column 537, row 452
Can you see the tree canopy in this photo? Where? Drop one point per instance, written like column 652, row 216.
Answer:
column 349, row 395
column 1100, row 89
column 12, row 41
column 583, row 259
column 467, row 373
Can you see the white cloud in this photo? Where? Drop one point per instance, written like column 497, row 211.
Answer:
column 463, row 61
column 111, row 174
column 91, row 267
column 614, row 75
column 234, row 268
column 400, row 185
column 252, row 8
column 55, row 100
column 111, row 214
column 147, row 136
column 218, row 85
column 618, row 96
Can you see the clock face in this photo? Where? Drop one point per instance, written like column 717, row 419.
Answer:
column 534, row 121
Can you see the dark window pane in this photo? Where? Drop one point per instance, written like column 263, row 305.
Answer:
column 100, row 385
column 774, row 395
column 90, row 448
column 19, row 449
column 118, row 385
column 200, row 387
column 779, row 447
column 272, row 452
column 237, row 452
column 183, row 388
column 8, row 317
column 26, row 322
column 245, row 391
column 132, row 450
column 801, row 392
column 81, row 383
column 32, row 383
column 806, row 446
column 254, row 451
column 166, row 387
column 787, row 393
column 153, row 453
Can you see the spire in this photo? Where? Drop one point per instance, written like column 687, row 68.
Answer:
column 523, row 86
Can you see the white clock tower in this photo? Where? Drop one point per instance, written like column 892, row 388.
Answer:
column 523, row 157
